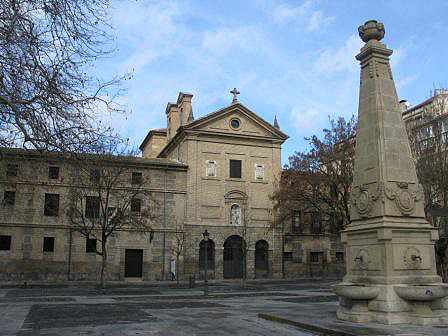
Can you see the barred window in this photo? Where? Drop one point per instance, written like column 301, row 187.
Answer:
column 53, row 172
column 9, row 197
column 91, row 245
column 316, row 257
column 12, row 170
column 339, row 256
column 137, row 178
column 316, row 224
column 94, row 175
column 51, row 206
column 92, row 206
column 136, row 205
column 48, row 245
column 5, row 243
column 295, row 219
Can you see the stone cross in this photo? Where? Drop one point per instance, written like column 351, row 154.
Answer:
column 234, row 92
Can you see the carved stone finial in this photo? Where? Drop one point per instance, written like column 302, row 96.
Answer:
column 371, row 30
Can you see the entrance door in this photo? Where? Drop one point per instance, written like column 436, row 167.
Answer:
column 261, row 259
column 133, row 262
column 233, row 257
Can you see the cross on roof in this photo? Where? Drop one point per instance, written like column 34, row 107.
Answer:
column 234, row 92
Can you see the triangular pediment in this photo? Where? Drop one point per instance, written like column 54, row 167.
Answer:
column 236, row 119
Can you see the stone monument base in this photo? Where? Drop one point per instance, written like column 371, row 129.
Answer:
column 393, row 304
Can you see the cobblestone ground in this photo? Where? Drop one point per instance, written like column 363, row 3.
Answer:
column 155, row 309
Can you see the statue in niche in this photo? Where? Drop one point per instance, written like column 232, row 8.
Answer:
column 235, row 214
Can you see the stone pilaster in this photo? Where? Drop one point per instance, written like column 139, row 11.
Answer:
column 219, row 261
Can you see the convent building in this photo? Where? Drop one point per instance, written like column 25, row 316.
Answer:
column 215, row 174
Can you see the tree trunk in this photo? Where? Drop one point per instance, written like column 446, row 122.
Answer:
column 177, row 269
column 103, row 265
column 243, row 279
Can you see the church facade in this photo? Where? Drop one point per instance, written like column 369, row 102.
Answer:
column 234, row 160
column 213, row 174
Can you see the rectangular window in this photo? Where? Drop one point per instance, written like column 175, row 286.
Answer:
column 425, row 137
column 339, row 256
column 53, row 172
column 11, row 170
column 9, row 197
column 5, row 243
column 94, row 175
column 48, row 244
column 316, row 225
column 259, row 172
column 444, row 129
column 91, row 245
column 287, row 255
column 92, row 206
column 295, row 221
column 111, row 211
column 136, row 204
column 137, row 178
column 316, row 257
column 51, row 206
column 235, row 168
column 210, row 168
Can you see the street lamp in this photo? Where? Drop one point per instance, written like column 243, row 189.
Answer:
column 205, row 234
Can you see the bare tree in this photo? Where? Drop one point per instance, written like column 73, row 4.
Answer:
column 320, row 179
column 428, row 137
column 48, row 99
column 177, row 249
column 108, row 196
column 250, row 236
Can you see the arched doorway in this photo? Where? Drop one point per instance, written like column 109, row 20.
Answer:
column 233, row 257
column 208, row 246
column 261, row 259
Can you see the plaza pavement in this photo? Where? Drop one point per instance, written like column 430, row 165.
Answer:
column 262, row 308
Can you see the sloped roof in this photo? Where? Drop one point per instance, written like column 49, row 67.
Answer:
column 160, row 131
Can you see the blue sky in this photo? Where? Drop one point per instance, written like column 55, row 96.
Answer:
column 293, row 59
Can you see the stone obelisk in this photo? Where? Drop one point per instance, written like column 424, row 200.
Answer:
column 391, row 274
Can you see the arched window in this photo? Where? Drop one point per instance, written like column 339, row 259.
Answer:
column 210, row 254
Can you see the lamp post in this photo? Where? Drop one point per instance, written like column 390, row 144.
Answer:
column 205, row 234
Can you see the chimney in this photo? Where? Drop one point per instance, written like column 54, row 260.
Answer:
column 178, row 114
column 184, row 104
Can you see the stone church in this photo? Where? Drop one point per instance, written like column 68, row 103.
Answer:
column 212, row 174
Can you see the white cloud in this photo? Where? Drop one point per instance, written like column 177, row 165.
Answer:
column 137, row 61
column 148, row 31
column 223, row 39
column 306, row 120
column 406, row 81
column 148, row 20
column 318, row 19
column 342, row 59
column 302, row 15
column 284, row 13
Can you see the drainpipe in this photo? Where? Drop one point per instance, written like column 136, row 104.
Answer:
column 164, row 226
column 70, row 239
column 283, row 248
